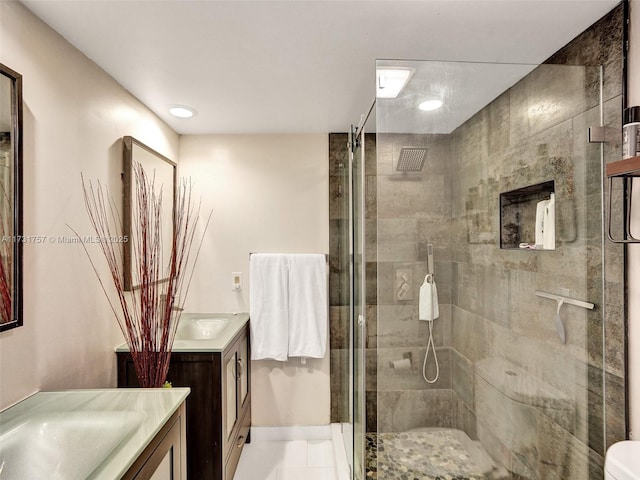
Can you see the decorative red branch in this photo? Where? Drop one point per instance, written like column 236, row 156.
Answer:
column 148, row 316
column 6, row 257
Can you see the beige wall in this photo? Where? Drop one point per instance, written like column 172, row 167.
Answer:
column 75, row 116
column 268, row 193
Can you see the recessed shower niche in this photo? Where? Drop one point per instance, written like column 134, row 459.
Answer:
column 527, row 218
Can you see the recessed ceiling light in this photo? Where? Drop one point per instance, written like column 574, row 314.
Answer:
column 391, row 81
column 182, row 111
column 429, row 105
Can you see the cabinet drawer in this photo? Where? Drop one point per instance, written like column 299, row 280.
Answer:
column 237, row 446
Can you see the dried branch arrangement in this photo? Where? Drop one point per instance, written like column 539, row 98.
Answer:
column 6, row 257
column 148, row 316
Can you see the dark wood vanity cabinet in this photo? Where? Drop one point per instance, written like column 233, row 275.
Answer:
column 164, row 457
column 218, row 408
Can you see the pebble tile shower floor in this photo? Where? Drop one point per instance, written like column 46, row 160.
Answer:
column 433, row 455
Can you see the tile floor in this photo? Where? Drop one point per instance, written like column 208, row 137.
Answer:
column 287, row 460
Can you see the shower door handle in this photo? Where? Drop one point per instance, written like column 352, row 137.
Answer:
column 361, row 320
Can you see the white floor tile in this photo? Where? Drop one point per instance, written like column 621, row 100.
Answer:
column 287, row 460
column 293, row 453
column 254, row 471
column 320, row 453
column 257, row 462
column 306, row 473
column 266, row 456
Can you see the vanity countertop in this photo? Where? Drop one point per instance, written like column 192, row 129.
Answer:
column 96, row 434
column 237, row 321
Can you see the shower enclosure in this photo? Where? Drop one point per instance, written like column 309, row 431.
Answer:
column 515, row 386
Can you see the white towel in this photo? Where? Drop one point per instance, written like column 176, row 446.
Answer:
column 269, row 306
column 307, row 305
column 428, row 306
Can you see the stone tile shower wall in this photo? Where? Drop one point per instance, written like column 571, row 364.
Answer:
column 339, row 275
column 507, row 146
column 339, row 281
column 413, row 210
column 602, row 44
column 496, row 314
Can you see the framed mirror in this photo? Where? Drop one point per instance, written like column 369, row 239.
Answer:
column 162, row 172
column 11, row 236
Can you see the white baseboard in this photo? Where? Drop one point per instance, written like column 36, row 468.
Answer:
column 282, row 434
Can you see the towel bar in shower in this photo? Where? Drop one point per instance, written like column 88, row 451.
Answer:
column 565, row 300
column 561, row 299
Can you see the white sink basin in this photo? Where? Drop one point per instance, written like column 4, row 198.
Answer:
column 47, row 445
column 201, row 328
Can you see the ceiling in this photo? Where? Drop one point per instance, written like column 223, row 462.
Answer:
column 301, row 66
column 463, row 87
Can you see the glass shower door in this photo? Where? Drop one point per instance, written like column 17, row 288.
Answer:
column 506, row 381
column 358, row 296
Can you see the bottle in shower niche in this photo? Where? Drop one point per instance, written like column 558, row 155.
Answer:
column 631, row 132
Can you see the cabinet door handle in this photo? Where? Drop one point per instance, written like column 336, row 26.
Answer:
column 240, row 369
column 240, row 441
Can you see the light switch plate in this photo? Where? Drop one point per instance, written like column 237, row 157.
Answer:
column 236, row 281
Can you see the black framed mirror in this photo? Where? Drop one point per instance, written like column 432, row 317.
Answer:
column 162, row 173
column 11, row 235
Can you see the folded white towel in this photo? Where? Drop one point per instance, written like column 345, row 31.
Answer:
column 269, row 306
column 428, row 305
column 307, row 305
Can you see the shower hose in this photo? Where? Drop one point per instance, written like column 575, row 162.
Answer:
column 430, row 345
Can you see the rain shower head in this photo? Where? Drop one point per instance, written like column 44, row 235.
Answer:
column 411, row 159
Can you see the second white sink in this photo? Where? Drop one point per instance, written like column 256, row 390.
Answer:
column 201, row 328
